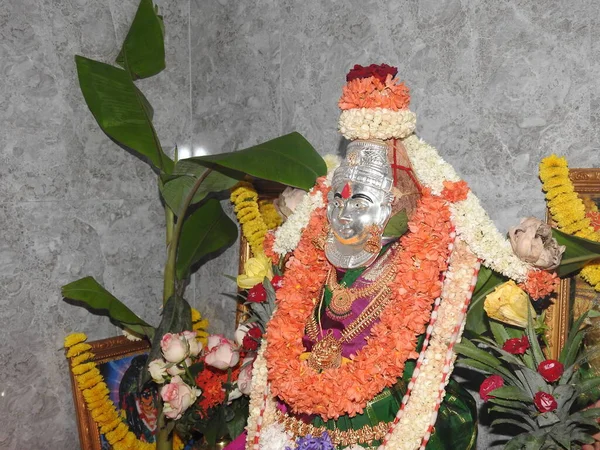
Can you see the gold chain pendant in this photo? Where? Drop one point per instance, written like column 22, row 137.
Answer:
column 326, row 354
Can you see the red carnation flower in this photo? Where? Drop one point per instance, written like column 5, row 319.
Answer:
column 516, row 346
column 252, row 338
column 277, row 282
column 551, row 370
column 488, row 385
column 257, row 294
column 544, row 402
column 379, row 71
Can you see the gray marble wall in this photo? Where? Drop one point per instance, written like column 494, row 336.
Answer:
column 495, row 85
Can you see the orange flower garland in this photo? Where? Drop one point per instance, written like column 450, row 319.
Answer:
column 346, row 390
column 372, row 93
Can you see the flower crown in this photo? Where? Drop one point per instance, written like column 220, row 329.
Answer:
column 374, row 104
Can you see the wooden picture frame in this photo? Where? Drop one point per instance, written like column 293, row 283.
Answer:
column 111, row 354
column 574, row 293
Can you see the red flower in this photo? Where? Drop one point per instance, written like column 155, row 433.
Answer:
column 544, row 402
column 488, row 385
column 257, row 294
column 252, row 338
column 516, row 346
column 551, row 370
column 277, row 282
column 379, row 71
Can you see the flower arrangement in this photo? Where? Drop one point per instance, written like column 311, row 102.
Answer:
column 541, row 399
column 198, row 375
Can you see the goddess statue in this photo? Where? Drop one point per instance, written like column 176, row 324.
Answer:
column 360, row 346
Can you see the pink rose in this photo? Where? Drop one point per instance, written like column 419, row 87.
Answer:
column 288, row 201
column 195, row 345
column 175, row 347
column 222, row 353
column 178, row 397
column 244, row 380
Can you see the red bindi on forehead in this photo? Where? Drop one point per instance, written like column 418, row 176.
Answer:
column 346, row 191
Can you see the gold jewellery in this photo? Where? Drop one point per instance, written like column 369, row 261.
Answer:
column 327, row 350
column 342, row 297
column 373, row 243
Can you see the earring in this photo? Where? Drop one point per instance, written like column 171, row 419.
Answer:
column 373, row 243
column 320, row 240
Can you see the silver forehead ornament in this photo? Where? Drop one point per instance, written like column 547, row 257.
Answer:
column 360, row 205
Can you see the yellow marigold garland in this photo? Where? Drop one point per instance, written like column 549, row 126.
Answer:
column 245, row 200
column 567, row 209
column 96, row 395
column 269, row 214
column 200, row 325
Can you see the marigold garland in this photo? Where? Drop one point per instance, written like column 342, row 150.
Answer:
column 200, row 325
column 269, row 214
column 245, row 200
column 96, row 394
column 393, row 338
column 568, row 210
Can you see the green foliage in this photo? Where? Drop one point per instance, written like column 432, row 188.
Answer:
column 178, row 187
column 513, row 404
column 121, row 109
column 578, row 253
column 206, row 230
column 90, row 293
column 143, row 52
column 176, row 317
column 397, row 225
column 487, row 281
column 289, row 159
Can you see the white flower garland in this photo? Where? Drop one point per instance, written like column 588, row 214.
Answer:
column 275, row 437
column 377, row 123
column 287, row 236
column 415, row 420
column 472, row 222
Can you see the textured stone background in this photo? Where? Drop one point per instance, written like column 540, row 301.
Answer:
column 495, row 85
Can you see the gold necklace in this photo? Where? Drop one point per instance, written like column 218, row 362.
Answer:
column 342, row 297
column 327, row 351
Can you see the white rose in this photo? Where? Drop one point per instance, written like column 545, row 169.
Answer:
column 158, row 370
column 175, row 347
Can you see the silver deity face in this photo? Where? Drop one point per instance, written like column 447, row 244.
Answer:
column 353, row 207
column 359, row 205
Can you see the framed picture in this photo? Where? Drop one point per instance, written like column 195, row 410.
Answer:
column 575, row 295
column 120, row 362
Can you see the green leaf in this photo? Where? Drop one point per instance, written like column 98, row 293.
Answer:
column 526, row 441
column 561, row 438
column 143, row 52
column 547, row 419
column 499, row 332
column 536, row 350
column 520, row 424
column 497, row 370
column 89, row 292
column 524, row 416
column 487, row 281
column 512, row 393
column 206, row 230
column 578, row 253
column 288, row 159
column 175, row 191
column 397, row 225
column 470, row 350
column 176, row 317
column 120, row 109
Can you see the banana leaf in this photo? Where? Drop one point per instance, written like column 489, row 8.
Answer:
column 88, row 292
column 289, row 159
column 206, row 230
column 143, row 51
